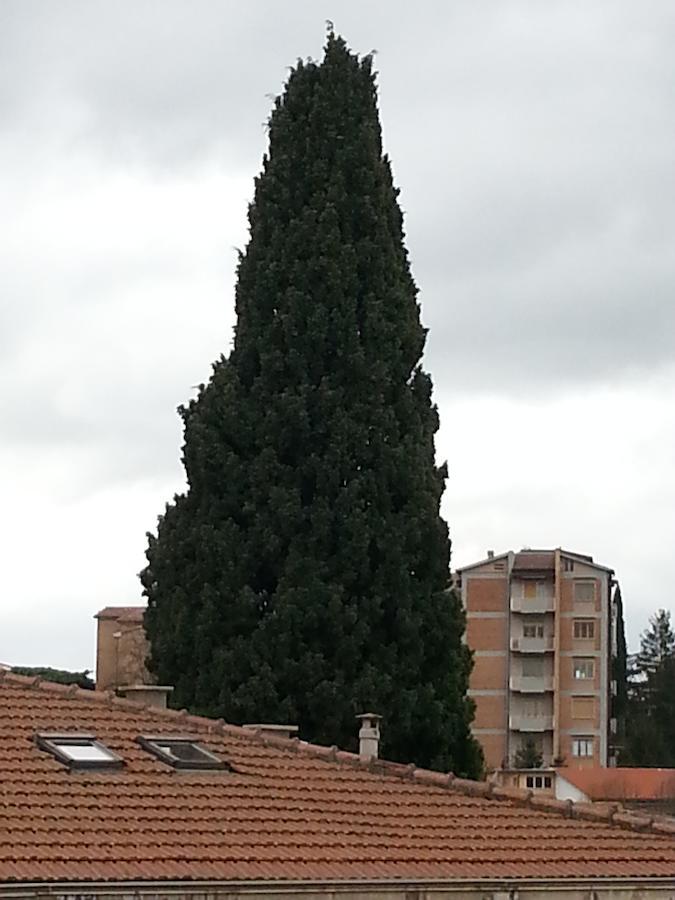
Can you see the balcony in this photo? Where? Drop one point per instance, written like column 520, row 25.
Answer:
column 532, row 644
column 531, row 684
column 530, row 723
column 535, row 605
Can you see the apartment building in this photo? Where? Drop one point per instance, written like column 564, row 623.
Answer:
column 542, row 625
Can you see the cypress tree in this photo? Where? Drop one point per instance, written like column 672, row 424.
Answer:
column 302, row 577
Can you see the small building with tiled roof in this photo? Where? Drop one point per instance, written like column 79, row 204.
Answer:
column 104, row 798
column 652, row 790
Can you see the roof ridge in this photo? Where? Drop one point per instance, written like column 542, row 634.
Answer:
column 110, row 698
column 612, row 813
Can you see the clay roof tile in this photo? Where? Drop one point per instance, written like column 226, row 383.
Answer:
column 287, row 810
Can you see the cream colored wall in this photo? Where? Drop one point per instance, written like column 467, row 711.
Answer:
column 120, row 660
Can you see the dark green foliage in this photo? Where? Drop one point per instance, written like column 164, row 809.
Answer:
column 302, row 577
column 60, row 676
column 657, row 643
column 528, row 755
column 650, row 721
column 619, row 674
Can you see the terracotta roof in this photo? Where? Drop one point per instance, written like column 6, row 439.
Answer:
column 122, row 613
column 623, row 783
column 489, row 560
column 289, row 811
column 534, row 560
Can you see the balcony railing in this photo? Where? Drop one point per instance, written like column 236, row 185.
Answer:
column 531, row 684
column 530, row 723
column 532, row 644
column 536, row 605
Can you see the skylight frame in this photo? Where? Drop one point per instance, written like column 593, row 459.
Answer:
column 53, row 742
column 208, row 761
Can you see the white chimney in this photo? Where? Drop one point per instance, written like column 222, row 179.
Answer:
column 369, row 736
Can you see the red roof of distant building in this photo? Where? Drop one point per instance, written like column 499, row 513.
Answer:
column 122, row 613
column 534, row 560
column 623, row 783
column 287, row 811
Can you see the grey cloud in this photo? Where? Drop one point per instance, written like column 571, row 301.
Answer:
column 161, row 83
column 533, row 143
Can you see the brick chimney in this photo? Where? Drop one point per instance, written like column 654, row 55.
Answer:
column 369, row 736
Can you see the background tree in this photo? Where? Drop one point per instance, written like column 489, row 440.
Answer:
column 619, row 675
column 528, row 755
column 650, row 720
column 302, row 577
column 656, row 644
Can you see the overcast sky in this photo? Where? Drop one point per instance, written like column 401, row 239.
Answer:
column 534, row 144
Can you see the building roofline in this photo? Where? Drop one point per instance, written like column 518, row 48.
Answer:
column 119, row 612
column 339, row 885
column 586, row 560
column 577, row 557
column 482, row 562
column 610, row 813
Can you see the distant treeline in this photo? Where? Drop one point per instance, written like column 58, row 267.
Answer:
column 60, row 676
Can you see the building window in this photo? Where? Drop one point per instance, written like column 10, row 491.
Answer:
column 584, row 591
column 583, row 707
column 568, row 564
column 529, row 590
column 582, row 746
column 537, row 782
column 533, row 667
column 182, row 753
column 584, row 669
column 584, row 629
column 533, row 631
column 534, row 708
column 79, row 751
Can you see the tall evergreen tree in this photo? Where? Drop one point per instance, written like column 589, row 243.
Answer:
column 619, row 670
column 650, row 720
column 657, row 643
column 302, row 576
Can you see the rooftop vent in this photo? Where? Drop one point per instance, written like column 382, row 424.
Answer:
column 268, row 730
column 146, row 694
column 369, row 736
column 491, row 554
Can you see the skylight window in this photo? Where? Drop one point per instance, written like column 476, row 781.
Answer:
column 182, row 753
column 79, row 751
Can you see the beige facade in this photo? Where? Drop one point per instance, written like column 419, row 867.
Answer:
column 121, row 648
column 540, row 625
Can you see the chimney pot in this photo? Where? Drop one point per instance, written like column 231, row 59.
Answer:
column 369, row 736
column 491, row 554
